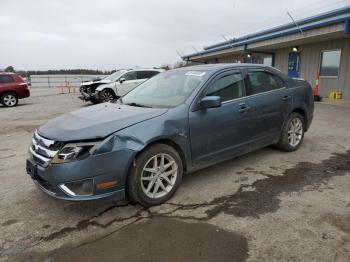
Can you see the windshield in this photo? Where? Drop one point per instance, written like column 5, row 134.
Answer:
column 168, row 89
column 114, row 77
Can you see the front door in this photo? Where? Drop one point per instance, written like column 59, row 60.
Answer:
column 219, row 133
column 129, row 83
column 293, row 64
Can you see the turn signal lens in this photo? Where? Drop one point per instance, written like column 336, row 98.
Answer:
column 106, row 184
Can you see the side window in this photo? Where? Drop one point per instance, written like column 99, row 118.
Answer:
column 227, row 87
column 130, row 76
column 4, row 79
column 262, row 81
column 146, row 74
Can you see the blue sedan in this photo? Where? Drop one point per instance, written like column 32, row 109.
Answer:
column 177, row 122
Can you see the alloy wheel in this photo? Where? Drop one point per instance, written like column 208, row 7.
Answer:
column 295, row 132
column 9, row 100
column 107, row 96
column 159, row 175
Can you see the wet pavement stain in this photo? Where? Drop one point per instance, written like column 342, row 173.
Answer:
column 264, row 198
column 157, row 239
column 9, row 222
column 83, row 224
column 342, row 222
column 250, row 200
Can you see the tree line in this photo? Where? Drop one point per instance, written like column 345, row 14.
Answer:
column 25, row 73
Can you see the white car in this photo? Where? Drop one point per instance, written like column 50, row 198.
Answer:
column 88, row 88
column 127, row 81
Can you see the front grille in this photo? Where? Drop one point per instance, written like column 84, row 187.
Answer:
column 43, row 149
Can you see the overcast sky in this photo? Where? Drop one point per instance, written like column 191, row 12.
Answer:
column 109, row 34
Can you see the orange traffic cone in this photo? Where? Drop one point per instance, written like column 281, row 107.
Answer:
column 60, row 89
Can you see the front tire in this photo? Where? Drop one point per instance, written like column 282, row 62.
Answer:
column 292, row 135
column 9, row 99
column 106, row 96
column 156, row 175
column 94, row 100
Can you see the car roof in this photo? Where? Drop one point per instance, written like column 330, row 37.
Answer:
column 215, row 67
column 7, row 73
column 147, row 69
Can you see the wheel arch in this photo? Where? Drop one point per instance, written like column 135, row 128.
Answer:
column 8, row 92
column 111, row 90
column 303, row 113
column 171, row 143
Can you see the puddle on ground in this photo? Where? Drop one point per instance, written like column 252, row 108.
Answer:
column 263, row 195
column 157, row 239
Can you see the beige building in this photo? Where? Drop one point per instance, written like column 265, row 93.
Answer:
column 314, row 45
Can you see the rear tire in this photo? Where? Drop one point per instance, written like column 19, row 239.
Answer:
column 9, row 99
column 292, row 135
column 156, row 175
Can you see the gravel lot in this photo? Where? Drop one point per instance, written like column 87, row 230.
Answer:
column 265, row 206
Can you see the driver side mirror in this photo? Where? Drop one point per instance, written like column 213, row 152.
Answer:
column 121, row 80
column 210, row 102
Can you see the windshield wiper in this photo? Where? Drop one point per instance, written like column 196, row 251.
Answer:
column 138, row 105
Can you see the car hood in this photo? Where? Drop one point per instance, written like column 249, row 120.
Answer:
column 99, row 81
column 96, row 122
column 108, row 85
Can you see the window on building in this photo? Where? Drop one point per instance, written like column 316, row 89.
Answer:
column 227, row 87
column 4, row 79
column 267, row 60
column 262, row 81
column 330, row 62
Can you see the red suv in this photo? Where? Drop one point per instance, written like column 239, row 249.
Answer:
column 12, row 88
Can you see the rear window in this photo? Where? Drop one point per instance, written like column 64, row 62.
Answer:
column 4, row 79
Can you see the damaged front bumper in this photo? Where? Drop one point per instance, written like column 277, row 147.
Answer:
column 67, row 180
column 87, row 95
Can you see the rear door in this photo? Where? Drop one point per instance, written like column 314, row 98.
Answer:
column 222, row 132
column 7, row 83
column 270, row 102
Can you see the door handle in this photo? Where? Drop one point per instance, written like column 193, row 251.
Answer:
column 285, row 98
column 243, row 108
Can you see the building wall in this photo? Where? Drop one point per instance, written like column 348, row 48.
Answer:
column 310, row 63
column 310, row 55
column 226, row 59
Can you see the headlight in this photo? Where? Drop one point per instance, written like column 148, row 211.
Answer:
column 74, row 151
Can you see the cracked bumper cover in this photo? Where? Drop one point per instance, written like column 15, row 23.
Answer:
column 104, row 167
